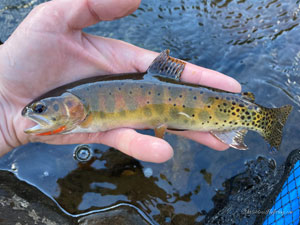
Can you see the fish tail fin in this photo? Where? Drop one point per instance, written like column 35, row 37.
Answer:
column 275, row 119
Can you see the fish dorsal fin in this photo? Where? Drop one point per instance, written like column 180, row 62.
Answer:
column 249, row 96
column 234, row 138
column 166, row 65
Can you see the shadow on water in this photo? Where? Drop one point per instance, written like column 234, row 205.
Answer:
column 256, row 42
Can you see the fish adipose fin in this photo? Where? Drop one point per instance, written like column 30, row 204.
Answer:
column 272, row 131
column 249, row 96
column 234, row 138
column 167, row 65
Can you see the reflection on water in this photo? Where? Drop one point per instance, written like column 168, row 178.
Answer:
column 256, row 42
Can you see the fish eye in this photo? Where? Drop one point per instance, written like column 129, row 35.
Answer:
column 39, row 108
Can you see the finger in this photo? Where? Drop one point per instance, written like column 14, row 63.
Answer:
column 128, row 141
column 199, row 75
column 139, row 146
column 204, row 138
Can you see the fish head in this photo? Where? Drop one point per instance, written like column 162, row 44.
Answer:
column 55, row 114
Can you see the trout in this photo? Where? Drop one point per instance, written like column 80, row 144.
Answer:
column 155, row 99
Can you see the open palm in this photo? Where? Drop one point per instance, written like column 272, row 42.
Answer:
column 49, row 49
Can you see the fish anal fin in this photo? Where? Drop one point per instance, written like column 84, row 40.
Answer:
column 234, row 138
column 166, row 65
column 160, row 130
column 249, row 96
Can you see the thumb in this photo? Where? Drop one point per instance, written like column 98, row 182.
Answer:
column 84, row 13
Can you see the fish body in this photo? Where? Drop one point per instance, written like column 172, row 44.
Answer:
column 154, row 100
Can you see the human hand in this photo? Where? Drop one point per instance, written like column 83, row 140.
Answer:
column 49, row 49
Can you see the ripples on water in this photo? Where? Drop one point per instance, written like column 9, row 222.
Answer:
column 256, row 42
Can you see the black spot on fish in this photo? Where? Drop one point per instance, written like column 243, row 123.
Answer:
column 208, row 106
column 149, row 93
column 141, row 86
column 195, row 97
column 122, row 83
column 225, row 121
column 232, row 108
column 119, row 89
column 158, row 94
column 247, row 113
column 233, row 113
column 53, row 118
column 217, row 97
column 148, row 102
column 174, row 104
column 130, row 92
column 183, row 106
column 241, row 105
column 190, row 89
column 109, row 93
column 201, row 92
column 56, row 107
column 99, row 85
column 87, row 89
column 242, row 117
column 216, row 123
column 180, row 96
column 249, row 117
column 235, row 123
column 193, row 115
column 233, row 103
column 228, row 98
column 169, row 88
column 170, row 99
column 210, row 117
column 224, row 104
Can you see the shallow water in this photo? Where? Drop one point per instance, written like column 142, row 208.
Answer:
column 256, row 42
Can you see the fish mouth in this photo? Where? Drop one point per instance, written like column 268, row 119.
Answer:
column 42, row 124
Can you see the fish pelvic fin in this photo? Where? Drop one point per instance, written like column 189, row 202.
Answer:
column 272, row 131
column 234, row 138
column 160, row 131
column 166, row 65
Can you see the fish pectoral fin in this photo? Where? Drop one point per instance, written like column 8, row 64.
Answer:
column 234, row 138
column 249, row 96
column 160, row 130
column 166, row 65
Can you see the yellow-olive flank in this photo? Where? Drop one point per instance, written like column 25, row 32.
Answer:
column 155, row 99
